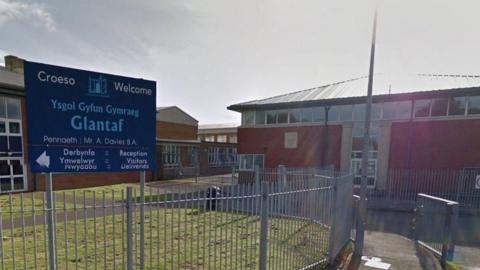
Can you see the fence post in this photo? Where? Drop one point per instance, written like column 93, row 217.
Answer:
column 129, row 206
column 418, row 216
column 233, row 175
column 142, row 219
column 257, row 177
column 263, row 227
column 333, row 211
column 282, row 176
column 52, row 258
column 448, row 245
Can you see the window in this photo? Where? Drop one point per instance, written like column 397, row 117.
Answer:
column 318, row 114
column 222, row 156
column 356, row 167
column 295, row 115
column 357, row 137
column 282, row 117
column 456, row 106
column 306, row 115
column 248, row 118
column 359, row 112
column 345, row 112
column 473, row 105
column 439, row 107
column 421, row 108
column 222, row 138
column 12, row 173
column 209, row 138
column 170, row 155
column 192, row 156
column 260, row 117
column 248, row 162
column 332, row 113
column 3, row 108
column 357, row 147
column 232, row 139
column 271, row 117
column 14, row 127
column 397, row 110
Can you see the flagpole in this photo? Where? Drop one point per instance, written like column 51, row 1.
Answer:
column 360, row 232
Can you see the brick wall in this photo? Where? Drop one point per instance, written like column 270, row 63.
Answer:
column 175, row 131
column 317, row 145
column 450, row 144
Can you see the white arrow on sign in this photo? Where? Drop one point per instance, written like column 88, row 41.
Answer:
column 43, row 160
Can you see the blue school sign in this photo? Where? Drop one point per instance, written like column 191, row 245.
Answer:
column 82, row 121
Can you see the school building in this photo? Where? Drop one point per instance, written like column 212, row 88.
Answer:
column 425, row 121
column 179, row 151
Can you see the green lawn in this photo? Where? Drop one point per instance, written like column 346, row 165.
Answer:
column 180, row 238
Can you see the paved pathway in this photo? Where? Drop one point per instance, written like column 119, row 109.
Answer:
column 395, row 252
column 388, row 238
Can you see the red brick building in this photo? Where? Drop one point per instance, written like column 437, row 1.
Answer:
column 419, row 122
column 177, row 146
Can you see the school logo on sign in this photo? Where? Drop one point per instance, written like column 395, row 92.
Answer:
column 477, row 182
column 97, row 86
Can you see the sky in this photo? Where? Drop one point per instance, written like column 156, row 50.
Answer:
column 208, row 54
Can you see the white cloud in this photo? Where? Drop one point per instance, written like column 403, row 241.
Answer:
column 11, row 11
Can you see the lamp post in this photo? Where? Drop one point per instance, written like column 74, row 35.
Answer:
column 362, row 213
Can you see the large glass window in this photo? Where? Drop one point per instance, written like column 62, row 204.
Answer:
column 282, row 117
column 397, row 110
column 332, row 113
column 307, row 115
column 271, row 117
column 221, row 156
column 318, row 114
column 377, row 111
column 192, row 156
column 12, row 173
column 247, row 162
column 473, row 105
column 456, row 106
column 421, row 108
column 345, row 112
column 248, row 117
column 295, row 115
column 439, row 107
column 260, row 117
column 359, row 112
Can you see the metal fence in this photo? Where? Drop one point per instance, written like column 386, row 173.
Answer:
column 435, row 221
column 290, row 222
column 403, row 185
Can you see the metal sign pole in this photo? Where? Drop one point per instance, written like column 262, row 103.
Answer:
column 50, row 222
column 362, row 213
column 142, row 219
